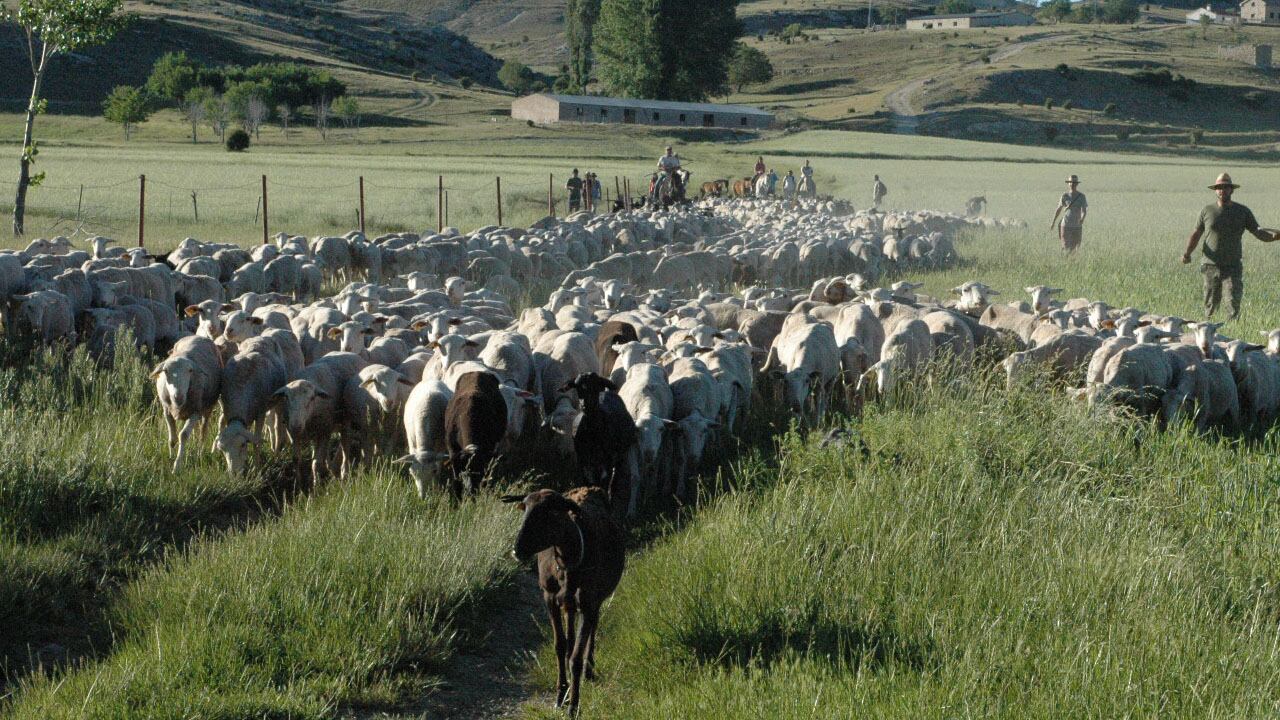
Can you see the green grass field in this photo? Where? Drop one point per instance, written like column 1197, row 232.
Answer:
column 998, row 554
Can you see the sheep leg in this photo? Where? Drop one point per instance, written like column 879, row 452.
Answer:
column 187, row 428
column 590, row 618
column 171, row 425
column 562, row 643
column 590, row 671
column 633, row 469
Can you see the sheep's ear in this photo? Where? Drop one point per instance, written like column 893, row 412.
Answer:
column 257, row 321
column 1264, row 333
column 404, row 381
column 1143, row 323
column 191, row 311
column 1029, row 289
column 367, row 331
column 280, row 393
column 670, row 424
column 155, row 372
column 992, row 292
column 419, row 325
column 472, row 343
column 403, row 460
column 334, row 333
column 510, row 499
column 1109, row 324
column 1250, row 347
column 368, row 383
column 228, row 307
column 321, row 393
column 455, row 321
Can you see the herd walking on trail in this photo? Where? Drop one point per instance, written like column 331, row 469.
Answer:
column 660, row 331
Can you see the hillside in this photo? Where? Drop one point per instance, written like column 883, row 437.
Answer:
column 375, row 52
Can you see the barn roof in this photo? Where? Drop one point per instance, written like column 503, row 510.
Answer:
column 655, row 104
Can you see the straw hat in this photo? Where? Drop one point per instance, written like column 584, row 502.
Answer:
column 1224, row 180
column 1073, row 180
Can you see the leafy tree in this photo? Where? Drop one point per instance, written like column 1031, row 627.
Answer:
column 792, row 32
column 347, row 109
column 172, row 76
column 1084, row 13
column 193, row 106
column 1120, row 11
column 628, row 48
column 580, row 22
column 285, row 114
column 247, row 100
column 666, row 49
column 956, row 7
column 1055, row 11
column 515, row 76
column 218, row 113
column 128, row 106
column 51, row 28
column 749, row 65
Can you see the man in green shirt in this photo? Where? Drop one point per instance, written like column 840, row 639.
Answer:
column 1222, row 226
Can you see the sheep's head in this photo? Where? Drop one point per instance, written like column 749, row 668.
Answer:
column 300, row 400
column 234, row 442
column 174, row 376
column 425, row 467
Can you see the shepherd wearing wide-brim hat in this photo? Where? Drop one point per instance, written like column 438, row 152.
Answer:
column 1222, row 226
column 1076, row 207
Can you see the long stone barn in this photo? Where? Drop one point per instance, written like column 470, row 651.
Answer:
column 548, row 109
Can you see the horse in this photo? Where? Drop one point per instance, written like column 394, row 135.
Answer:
column 743, row 187
column 762, row 186
column 807, row 187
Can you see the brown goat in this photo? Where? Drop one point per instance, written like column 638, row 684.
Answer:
column 475, row 421
column 613, row 332
column 581, row 553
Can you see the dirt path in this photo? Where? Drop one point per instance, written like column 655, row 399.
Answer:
column 902, row 101
column 488, row 678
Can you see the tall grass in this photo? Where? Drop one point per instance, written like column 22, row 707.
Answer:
column 332, row 604
column 997, row 554
column 86, row 496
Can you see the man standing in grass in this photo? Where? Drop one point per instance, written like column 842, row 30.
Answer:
column 1222, row 226
column 878, row 191
column 574, row 186
column 1071, row 231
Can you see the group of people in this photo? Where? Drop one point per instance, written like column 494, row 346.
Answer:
column 1221, row 225
column 583, row 190
column 791, row 185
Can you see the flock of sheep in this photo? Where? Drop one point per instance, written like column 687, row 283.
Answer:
column 636, row 362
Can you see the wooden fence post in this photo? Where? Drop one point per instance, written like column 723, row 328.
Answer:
column 440, row 205
column 80, row 202
column 446, row 208
column 361, row 204
column 142, row 209
column 499, row 201
column 551, row 199
column 264, row 209
column 195, row 207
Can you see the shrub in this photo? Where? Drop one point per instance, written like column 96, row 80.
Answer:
column 416, row 76
column 238, row 141
column 1064, row 70
column 1197, row 136
column 1122, row 134
column 529, row 123
column 465, row 82
column 1048, row 103
column 1109, row 110
column 1050, row 133
column 1254, row 99
column 1068, row 104
column 986, row 59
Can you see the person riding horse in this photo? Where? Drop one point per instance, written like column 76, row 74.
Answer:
column 671, row 180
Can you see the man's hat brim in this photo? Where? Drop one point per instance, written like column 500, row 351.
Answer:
column 1215, row 186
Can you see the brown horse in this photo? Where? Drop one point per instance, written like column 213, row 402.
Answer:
column 744, row 187
column 714, row 188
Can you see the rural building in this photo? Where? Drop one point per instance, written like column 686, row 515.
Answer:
column 1260, row 12
column 1258, row 56
column 548, row 109
column 1199, row 15
column 969, row 20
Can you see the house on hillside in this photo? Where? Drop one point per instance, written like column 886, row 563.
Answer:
column 548, row 109
column 1199, row 16
column 967, row 21
column 1260, row 12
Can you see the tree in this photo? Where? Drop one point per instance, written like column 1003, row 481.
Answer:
column 217, row 112
column 749, row 65
column 238, row 141
column 956, row 7
column 51, row 28
column 579, row 27
column 193, row 107
column 285, row 114
column 1055, row 11
column 172, row 76
column 347, row 109
column 256, row 112
column 666, row 49
column 1205, row 22
column 628, row 49
column 515, row 76
column 1120, row 11
column 128, row 106
column 321, row 110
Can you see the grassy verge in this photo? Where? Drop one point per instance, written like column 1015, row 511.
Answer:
column 997, row 554
column 330, row 605
column 86, row 498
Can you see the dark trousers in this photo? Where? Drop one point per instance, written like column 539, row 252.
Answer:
column 1215, row 277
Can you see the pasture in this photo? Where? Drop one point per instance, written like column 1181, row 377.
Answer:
column 998, row 553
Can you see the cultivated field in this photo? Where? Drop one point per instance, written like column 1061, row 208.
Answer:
column 998, row 553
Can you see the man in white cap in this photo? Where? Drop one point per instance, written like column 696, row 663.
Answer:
column 1222, row 226
column 1071, row 231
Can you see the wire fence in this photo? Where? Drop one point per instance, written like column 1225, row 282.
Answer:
column 159, row 211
